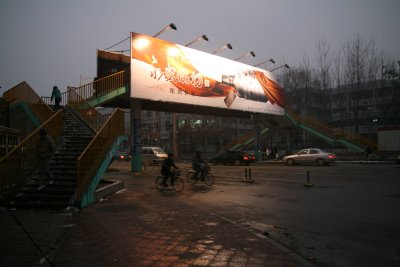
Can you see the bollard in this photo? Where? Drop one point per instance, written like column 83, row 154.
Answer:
column 245, row 173
column 308, row 184
column 250, row 174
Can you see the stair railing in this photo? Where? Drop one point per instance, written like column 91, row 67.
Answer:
column 332, row 132
column 24, row 93
column 92, row 157
column 87, row 112
column 22, row 159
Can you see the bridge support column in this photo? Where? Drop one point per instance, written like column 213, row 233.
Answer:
column 257, row 137
column 136, row 135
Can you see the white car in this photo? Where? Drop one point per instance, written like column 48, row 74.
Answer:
column 310, row 156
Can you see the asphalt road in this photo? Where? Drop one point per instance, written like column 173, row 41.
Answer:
column 349, row 217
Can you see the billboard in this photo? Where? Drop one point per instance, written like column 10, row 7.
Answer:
column 167, row 72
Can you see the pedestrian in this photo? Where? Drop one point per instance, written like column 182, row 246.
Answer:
column 199, row 165
column 56, row 94
column 166, row 170
column 45, row 148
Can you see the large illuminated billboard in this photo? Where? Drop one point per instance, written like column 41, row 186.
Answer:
column 167, row 72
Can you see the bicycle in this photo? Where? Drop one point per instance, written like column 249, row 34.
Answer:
column 178, row 186
column 208, row 177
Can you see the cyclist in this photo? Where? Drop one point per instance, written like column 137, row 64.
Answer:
column 166, row 171
column 199, row 165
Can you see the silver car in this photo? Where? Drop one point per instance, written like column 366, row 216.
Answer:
column 310, row 156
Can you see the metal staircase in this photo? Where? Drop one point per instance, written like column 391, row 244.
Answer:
column 76, row 136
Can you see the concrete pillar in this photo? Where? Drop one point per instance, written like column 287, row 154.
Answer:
column 136, row 136
column 257, row 137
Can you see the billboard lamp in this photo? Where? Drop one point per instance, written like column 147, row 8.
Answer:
column 269, row 60
column 228, row 45
column 285, row 65
column 203, row 37
column 170, row 26
column 245, row 55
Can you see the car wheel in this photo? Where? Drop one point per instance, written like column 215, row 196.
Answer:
column 290, row 162
column 320, row 162
column 237, row 162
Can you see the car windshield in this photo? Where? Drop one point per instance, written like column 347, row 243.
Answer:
column 158, row 151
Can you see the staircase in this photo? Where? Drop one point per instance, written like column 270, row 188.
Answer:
column 63, row 166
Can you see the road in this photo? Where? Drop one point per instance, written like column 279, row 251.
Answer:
column 349, row 217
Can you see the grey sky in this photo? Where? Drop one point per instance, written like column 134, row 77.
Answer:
column 54, row 42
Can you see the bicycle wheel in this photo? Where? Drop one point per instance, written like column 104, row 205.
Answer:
column 190, row 178
column 209, row 179
column 159, row 183
column 179, row 184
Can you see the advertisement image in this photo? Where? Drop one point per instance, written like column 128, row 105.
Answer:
column 167, row 72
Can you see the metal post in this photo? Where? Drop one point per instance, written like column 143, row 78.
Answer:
column 136, row 136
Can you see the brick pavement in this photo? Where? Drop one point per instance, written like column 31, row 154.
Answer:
column 138, row 226
column 134, row 228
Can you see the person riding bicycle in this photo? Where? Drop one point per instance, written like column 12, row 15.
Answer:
column 199, row 165
column 166, row 171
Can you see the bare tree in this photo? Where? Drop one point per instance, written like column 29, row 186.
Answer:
column 359, row 65
column 324, row 63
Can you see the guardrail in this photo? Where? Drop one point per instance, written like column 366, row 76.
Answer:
column 102, row 86
column 92, row 157
column 22, row 159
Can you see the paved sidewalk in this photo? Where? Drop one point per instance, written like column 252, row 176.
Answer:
column 139, row 226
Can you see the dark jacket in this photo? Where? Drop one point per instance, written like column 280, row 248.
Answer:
column 168, row 163
column 197, row 162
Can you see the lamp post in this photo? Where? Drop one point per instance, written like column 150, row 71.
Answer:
column 245, row 55
column 203, row 37
column 170, row 26
column 228, row 45
column 265, row 61
column 285, row 65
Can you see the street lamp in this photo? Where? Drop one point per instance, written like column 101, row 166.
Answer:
column 228, row 45
column 170, row 26
column 285, row 65
column 269, row 60
column 203, row 37
column 245, row 55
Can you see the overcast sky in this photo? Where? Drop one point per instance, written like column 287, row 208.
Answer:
column 54, row 42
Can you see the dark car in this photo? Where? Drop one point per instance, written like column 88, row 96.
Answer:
column 122, row 155
column 233, row 157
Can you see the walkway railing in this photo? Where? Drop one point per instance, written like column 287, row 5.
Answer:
column 102, row 86
column 92, row 157
column 64, row 99
column 22, row 160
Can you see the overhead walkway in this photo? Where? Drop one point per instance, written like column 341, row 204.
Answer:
column 330, row 134
column 323, row 131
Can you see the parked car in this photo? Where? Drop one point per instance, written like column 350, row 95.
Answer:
column 153, row 155
column 310, row 156
column 233, row 157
